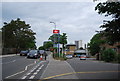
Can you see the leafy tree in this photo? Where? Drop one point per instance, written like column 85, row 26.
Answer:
column 41, row 48
column 17, row 34
column 62, row 39
column 54, row 38
column 95, row 42
column 48, row 45
column 108, row 55
column 111, row 28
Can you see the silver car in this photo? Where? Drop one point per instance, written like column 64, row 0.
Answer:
column 69, row 56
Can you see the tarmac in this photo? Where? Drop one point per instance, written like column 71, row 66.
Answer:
column 57, row 69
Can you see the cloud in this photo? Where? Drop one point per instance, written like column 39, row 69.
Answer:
column 78, row 20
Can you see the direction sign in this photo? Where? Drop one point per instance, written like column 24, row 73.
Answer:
column 56, row 31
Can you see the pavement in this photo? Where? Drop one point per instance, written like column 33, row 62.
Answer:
column 8, row 55
column 57, row 69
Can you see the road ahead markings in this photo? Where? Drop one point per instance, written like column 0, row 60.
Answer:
column 77, row 73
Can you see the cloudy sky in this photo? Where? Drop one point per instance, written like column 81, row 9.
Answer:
column 78, row 19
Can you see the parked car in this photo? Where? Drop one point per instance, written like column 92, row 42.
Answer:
column 33, row 54
column 82, row 57
column 24, row 53
column 69, row 56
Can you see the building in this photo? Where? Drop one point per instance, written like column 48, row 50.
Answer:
column 115, row 47
column 78, row 44
column 70, row 48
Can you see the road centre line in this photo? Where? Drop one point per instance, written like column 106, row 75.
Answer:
column 77, row 73
column 20, row 71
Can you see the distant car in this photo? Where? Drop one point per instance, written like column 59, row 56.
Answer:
column 33, row 54
column 69, row 56
column 24, row 53
column 82, row 57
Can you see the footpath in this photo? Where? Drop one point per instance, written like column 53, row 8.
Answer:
column 8, row 55
column 57, row 69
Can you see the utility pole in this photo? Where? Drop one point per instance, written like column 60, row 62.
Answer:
column 56, row 32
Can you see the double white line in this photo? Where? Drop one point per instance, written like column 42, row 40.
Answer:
column 35, row 73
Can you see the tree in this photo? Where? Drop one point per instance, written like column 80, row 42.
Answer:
column 48, row 45
column 108, row 55
column 62, row 39
column 54, row 38
column 41, row 48
column 17, row 34
column 95, row 42
column 111, row 28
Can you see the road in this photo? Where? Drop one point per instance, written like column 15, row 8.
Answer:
column 20, row 67
column 91, row 69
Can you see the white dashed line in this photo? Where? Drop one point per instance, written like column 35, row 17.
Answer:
column 24, row 77
column 28, row 74
column 31, row 77
column 38, row 70
column 9, row 62
column 20, row 71
column 35, row 73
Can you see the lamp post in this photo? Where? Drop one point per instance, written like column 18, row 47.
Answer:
column 54, row 37
column 54, row 24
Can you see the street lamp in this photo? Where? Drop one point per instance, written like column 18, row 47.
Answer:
column 54, row 37
column 54, row 24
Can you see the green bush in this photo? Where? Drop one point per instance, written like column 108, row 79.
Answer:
column 118, row 58
column 108, row 55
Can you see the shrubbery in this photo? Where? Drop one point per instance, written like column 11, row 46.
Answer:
column 118, row 58
column 108, row 55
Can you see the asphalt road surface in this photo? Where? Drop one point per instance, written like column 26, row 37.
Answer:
column 20, row 67
column 91, row 69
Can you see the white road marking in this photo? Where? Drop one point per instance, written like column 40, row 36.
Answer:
column 24, row 77
column 26, row 67
column 45, row 70
column 38, row 70
column 20, row 71
column 40, row 67
column 9, row 62
column 70, row 66
column 28, row 74
column 14, row 74
column 31, row 77
column 35, row 73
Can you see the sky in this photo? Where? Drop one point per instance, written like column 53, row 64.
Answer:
column 78, row 20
